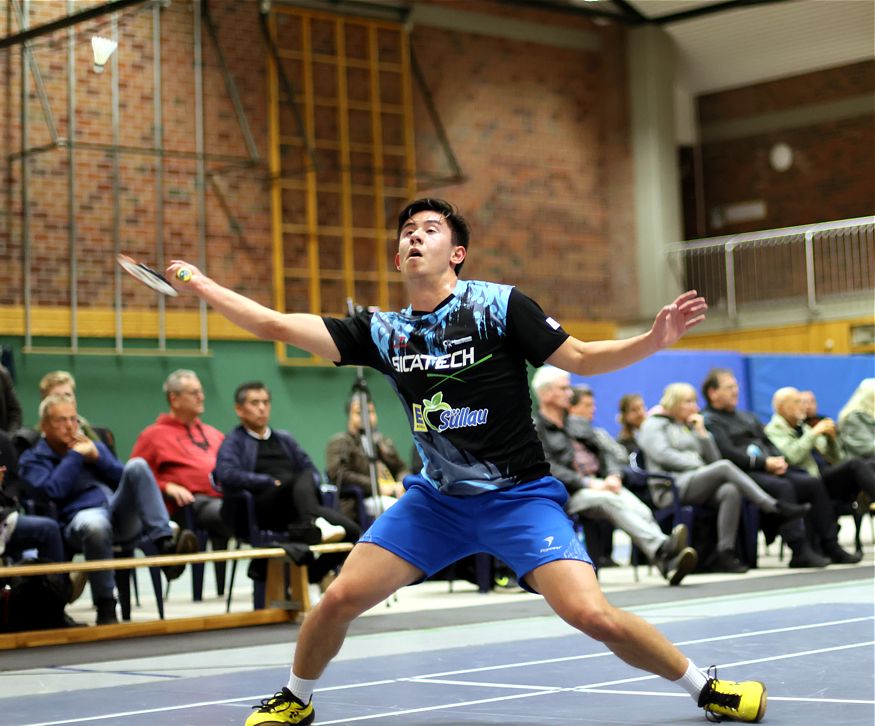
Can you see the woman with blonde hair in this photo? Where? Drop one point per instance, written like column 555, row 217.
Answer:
column 857, row 422
column 676, row 441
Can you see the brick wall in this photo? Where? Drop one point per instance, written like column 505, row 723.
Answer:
column 833, row 174
column 540, row 132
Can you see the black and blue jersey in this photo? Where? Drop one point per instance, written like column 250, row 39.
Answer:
column 460, row 372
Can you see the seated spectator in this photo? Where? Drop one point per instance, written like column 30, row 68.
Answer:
column 677, row 442
column 631, row 416
column 10, row 408
column 592, row 476
column 18, row 531
column 348, row 466
column 809, row 407
column 62, row 383
column 269, row 463
column 599, row 532
column 742, row 439
column 99, row 501
column 180, row 449
column 816, row 449
column 857, row 422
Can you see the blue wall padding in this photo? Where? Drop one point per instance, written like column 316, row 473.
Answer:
column 650, row 376
column 833, row 379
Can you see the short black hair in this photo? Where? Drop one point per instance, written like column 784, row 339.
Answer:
column 712, row 382
column 244, row 388
column 458, row 224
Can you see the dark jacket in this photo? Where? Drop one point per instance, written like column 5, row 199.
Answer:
column 559, row 450
column 235, row 462
column 70, row 481
column 10, row 408
column 740, row 437
column 348, row 467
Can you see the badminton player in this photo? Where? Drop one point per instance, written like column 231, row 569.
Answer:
column 457, row 358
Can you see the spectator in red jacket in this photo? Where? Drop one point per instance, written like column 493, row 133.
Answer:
column 181, row 451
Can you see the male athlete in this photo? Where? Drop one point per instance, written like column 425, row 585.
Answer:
column 457, row 358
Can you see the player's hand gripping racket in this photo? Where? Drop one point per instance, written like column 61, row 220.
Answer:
column 149, row 277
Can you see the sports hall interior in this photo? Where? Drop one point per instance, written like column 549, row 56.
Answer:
column 608, row 155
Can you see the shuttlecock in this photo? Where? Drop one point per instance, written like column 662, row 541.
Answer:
column 103, row 48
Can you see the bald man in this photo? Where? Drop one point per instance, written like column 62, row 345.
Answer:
column 816, row 449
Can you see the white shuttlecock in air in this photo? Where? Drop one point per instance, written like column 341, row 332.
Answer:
column 103, row 48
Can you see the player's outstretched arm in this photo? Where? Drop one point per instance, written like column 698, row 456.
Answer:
column 602, row 356
column 303, row 330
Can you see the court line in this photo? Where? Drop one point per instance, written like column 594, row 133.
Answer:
column 678, row 694
column 696, row 641
column 499, row 667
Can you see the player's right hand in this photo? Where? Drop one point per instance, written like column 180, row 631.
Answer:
column 182, row 275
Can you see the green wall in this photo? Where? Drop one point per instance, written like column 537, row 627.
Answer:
column 123, row 392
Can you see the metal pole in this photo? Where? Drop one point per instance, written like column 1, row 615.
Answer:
column 200, row 166
column 730, row 281
column 230, row 86
column 158, row 138
column 116, row 192
column 71, row 182
column 25, row 186
column 38, row 81
column 809, row 269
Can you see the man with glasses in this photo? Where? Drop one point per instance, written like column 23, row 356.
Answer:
column 99, row 501
column 181, row 450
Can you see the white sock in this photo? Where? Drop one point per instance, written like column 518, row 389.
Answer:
column 693, row 681
column 301, row 687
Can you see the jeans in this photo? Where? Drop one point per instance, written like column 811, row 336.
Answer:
column 40, row 533
column 136, row 508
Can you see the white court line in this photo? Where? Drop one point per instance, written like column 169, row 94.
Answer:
column 790, row 699
column 602, row 654
column 500, row 667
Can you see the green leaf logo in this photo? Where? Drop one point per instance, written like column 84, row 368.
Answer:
column 436, row 403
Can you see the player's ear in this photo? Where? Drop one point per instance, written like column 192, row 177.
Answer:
column 397, row 261
column 459, row 254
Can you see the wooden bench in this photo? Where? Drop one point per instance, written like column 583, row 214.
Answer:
column 281, row 608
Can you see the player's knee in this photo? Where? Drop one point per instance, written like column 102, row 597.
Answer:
column 597, row 620
column 342, row 603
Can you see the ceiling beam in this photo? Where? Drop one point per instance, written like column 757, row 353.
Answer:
column 66, row 22
column 708, row 10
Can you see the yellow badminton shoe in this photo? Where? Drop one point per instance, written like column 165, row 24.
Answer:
column 281, row 708
column 744, row 701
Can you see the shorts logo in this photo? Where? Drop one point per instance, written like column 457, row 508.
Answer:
column 447, row 416
column 549, row 547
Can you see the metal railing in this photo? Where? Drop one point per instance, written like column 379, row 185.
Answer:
column 809, row 264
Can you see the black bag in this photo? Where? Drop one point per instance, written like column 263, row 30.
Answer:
column 34, row 603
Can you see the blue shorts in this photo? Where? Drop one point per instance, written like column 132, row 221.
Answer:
column 524, row 526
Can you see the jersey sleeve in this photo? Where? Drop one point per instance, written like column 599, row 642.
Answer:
column 537, row 335
column 352, row 336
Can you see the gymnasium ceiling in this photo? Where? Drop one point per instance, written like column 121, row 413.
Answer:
column 721, row 43
column 729, row 43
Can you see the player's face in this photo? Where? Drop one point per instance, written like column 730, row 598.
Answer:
column 425, row 246
column 61, row 425
column 254, row 412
